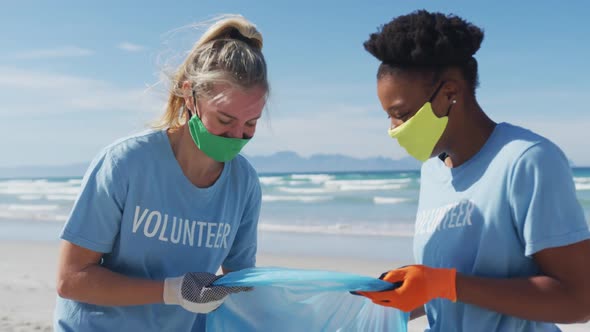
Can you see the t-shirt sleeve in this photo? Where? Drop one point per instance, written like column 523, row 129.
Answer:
column 243, row 251
column 96, row 215
column 543, row 197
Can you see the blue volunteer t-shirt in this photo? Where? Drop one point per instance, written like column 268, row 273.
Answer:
column 488, row 216
column 137, row 207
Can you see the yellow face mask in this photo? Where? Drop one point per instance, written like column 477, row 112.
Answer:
column 422, row 131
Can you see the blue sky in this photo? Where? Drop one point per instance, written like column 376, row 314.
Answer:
column 74, row 76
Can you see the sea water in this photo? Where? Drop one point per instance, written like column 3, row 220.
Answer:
column 367, row 215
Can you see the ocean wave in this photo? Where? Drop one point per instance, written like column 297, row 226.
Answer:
column 304, row 199
column 582, row 186
column 363, row 187
column 30, row 197
column 367, row 182
column 271, row 180
column 389, row 200
column 48, row 197
column 313, row 178
column 332, row 188
column 32, row 212
column 29, row 207
column 32, row 216
column 61, row 197
column 406, row 230
column 305, row 190
column 294, row 183
column 38, row 187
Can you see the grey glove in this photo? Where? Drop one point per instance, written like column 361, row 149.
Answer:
column 194, row 292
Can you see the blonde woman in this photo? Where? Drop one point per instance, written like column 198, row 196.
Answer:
column 161, row 211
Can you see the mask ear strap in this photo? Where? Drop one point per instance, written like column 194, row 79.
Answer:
column 436, row 91
column 181, row 112
column 194, row 104
column 443, row 155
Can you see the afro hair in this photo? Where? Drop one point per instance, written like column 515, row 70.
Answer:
column 424, row 39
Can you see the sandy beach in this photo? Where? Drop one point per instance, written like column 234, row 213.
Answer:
column 27, row 282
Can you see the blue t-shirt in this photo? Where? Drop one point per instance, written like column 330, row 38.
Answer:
column 137, row 207
column 488, row 216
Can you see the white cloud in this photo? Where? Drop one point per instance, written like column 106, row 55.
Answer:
column 60, row 52
column 130, row 47
column 571, row 134
column 554, row 113
column 48, row 118
column 52, row 93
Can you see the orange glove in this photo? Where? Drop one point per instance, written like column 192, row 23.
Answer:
column 419, row 284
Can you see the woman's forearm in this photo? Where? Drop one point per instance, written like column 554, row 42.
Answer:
column 98, row 285
column 539, row 298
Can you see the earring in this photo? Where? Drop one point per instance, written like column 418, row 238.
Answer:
column 454, row 101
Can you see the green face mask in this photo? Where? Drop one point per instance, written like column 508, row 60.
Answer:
column 421, row 132
column 218, row 148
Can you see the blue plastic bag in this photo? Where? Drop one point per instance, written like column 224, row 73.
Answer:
column 303, row 300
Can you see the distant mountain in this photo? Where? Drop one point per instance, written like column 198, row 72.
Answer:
column 281, row 162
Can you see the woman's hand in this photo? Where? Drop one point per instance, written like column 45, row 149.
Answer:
column 419, row 284
column 196, row 293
